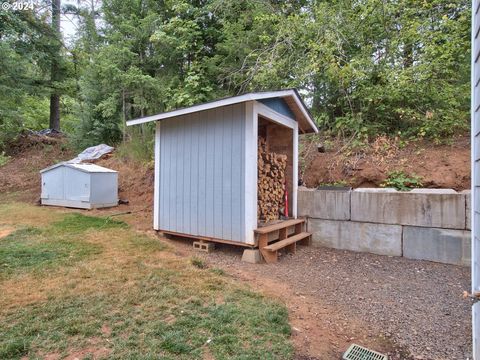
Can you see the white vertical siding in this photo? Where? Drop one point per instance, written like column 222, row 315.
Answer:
column 294, row 194
column 53, row 184
column 103, row 188
column 475, row 128
column 201, row 174
column 250, row 170
column 156, row 205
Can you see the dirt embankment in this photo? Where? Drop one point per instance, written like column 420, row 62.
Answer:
column 28, row 155
column 438, row 166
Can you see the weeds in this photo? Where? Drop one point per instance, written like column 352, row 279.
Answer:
column 4, row 159
column 217, row 271
column 139, row 148
column 199, row 263
column 401, row 181
column 340, row 183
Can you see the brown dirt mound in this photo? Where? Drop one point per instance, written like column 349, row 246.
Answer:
column 439, row 166
column 27, row 140
column 135, row 184
column 30, row 154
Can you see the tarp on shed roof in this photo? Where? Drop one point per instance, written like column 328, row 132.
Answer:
column 291, row 97
column 92, row 153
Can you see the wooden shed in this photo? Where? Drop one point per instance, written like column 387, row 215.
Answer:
column 206, row 166
column 83, row 186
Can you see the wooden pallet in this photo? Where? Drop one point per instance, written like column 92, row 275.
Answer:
column 289, row 243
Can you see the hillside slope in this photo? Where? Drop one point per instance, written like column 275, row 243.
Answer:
column 438, row 166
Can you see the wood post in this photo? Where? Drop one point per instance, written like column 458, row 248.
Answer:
column 269, row 256
column 298, row 228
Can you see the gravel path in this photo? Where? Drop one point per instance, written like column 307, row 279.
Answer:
column 417, row 305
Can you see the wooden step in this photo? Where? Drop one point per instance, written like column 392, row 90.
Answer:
column 281, row 225
column 270, row 252
column 288, row 241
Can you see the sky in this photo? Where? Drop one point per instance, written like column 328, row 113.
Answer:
column 68, row 23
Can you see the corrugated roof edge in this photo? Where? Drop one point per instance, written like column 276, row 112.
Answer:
column 98, row 169
column 229, row 101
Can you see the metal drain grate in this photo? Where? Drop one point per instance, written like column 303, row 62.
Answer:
column 357, row 352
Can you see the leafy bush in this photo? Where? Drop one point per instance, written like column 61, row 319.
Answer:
column 401, row 181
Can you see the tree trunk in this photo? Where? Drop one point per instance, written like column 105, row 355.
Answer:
column 55, row 69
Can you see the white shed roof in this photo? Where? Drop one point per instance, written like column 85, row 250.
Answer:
column 89, row 168
column 291, row 97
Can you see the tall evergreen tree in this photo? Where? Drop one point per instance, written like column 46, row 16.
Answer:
column 55, row 75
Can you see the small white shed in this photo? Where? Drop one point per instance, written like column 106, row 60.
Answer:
column 84, row 186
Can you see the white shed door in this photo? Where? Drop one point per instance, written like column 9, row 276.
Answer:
column 475, row 130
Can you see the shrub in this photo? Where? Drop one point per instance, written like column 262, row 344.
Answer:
column 402, row 181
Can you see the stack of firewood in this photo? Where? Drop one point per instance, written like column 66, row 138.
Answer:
column 271, row 182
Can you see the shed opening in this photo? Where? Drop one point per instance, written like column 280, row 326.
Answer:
column 275, row 171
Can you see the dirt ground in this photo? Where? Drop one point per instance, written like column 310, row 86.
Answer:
column 406, row 308
column 438, row 166
column 30, row 155
column 410, row 309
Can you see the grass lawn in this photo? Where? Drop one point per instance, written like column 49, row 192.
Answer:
column 88, row 287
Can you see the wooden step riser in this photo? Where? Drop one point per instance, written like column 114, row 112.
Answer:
column 271, row 255
column 288, row 241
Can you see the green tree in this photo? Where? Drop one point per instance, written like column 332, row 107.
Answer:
column 55, row 74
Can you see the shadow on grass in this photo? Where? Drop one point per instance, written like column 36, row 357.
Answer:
column 129, row 299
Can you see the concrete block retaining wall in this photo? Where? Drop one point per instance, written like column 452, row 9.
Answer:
column 429, row 224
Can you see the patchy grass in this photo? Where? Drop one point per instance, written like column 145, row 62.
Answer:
column 21, row 214
column 218, row 271
column 77, row 223
column 31, row 248
column 101, row 290
column 199, row 263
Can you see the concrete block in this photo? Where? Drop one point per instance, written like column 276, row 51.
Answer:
column 252, row 256
column 438, row 209
column 348, row 235
column 203, row 246
column 468, row 209
column 433, row 191
column 440, row 245
column 324, row 204
column 377, row 190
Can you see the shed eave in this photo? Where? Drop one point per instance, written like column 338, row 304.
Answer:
column 98, row 169
column 289, row 93
column 51, row 167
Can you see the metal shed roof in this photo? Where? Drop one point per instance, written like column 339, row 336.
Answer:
column 291, row 97
column 88, row 168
